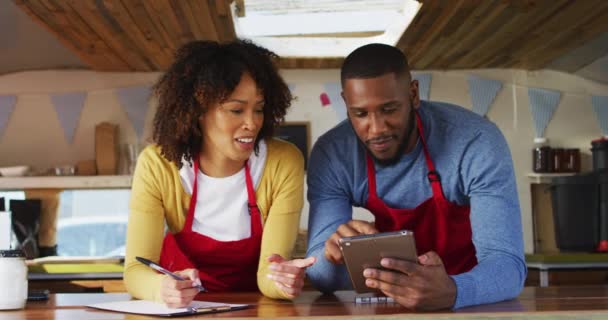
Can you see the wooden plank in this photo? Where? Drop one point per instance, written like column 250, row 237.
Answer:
column 203, row 13
column 79, row 45
column 150, row 31
column 579, row 32
column 539, row 37
column 240, row 8
column 223, row 8
column 488, row 20
column 86, row 15
column 458, row 26
column 494, row 52
column 445, row 54
column 430, row 35
column 190, row 19
column 126, row 27
column 185, row 32
column 167, row 22
column 73, row 23
column 223, row 23
column 422, row 21
column 582, row 56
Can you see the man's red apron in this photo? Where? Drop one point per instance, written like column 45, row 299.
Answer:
column 438, row 225
column 222, row 265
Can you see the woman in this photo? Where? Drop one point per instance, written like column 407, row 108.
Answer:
column 229, row 193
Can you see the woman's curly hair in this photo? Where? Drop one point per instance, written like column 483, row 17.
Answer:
column 205, row 73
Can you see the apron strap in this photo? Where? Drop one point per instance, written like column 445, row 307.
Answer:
column 251, row 201
column 190, row 216
column 252, row 205
column 433, row 175
column 371, row 176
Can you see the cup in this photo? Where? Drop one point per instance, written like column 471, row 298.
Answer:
column 131, row 153
column 13, row 279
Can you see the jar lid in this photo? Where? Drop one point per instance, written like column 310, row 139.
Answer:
column 12, row 254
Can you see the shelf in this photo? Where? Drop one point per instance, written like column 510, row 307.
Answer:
column 539, row 178
column 65, row 182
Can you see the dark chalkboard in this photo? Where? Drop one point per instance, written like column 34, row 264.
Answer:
column 297, row 133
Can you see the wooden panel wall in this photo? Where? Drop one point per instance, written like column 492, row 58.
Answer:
column 131, row 35
column 141, row 35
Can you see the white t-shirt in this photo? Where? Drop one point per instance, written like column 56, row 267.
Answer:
column 221, row 206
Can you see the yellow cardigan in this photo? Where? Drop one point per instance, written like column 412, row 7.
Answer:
column 157, row 196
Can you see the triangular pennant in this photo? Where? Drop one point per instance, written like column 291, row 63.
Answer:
column 600, row 106
column 135, row 102
column 324, row 99
column 483, row 92
column 68, row 107
column 7, row 105
column 543, row 103
column 333, row 90
column 424, row 84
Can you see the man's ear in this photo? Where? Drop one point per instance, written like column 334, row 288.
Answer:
column 414, row 94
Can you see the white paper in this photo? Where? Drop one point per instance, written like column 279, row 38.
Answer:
column 5, row 230
column 154, row 308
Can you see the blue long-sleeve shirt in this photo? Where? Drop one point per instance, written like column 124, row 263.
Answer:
column 474, row 162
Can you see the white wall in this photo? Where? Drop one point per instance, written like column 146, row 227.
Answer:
column 34, row 136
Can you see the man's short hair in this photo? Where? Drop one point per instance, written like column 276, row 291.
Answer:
column 373, row 60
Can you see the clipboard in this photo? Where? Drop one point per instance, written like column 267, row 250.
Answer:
column 152, row 308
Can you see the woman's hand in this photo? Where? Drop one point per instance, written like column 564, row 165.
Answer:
column 289, row 275
column 179, row 293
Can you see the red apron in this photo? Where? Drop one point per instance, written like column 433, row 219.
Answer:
column 438, row 225
column 222, row 265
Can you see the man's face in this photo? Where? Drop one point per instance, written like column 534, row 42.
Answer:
column 381, row 111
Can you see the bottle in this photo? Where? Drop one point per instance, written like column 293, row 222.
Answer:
column 13, row 278
column 540, row 156
column 558, row 162
column 573, row 160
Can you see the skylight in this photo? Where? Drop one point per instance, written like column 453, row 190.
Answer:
column 323, row 28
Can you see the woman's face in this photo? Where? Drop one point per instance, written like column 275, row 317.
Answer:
column 230, row 128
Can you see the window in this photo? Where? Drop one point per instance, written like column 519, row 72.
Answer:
column 93, row 222
column 90, row 222
column 322, row 28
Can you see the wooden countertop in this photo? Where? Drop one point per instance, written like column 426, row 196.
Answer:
column 535, row 303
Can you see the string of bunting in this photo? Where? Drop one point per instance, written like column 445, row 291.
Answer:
column 482, row 91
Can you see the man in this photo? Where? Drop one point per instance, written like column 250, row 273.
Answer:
column 434, row 168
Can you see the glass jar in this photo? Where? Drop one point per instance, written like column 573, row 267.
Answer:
column 541, row 157
column 572, row 160
column 13, row 279
column 558, row 163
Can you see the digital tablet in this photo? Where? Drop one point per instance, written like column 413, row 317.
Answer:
column 366, row 251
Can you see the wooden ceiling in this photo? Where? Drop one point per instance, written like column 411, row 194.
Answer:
column 142, row 35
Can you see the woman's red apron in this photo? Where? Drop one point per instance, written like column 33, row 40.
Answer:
column 222, row 265
column 438, row 225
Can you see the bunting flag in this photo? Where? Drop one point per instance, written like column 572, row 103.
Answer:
column 324, row 99
column 543, row 103
column 7, row 105
column 134, row 100
column 333, row 90
column 600, row 106
column 424, row 84
column 483, row 92
column 68, row 107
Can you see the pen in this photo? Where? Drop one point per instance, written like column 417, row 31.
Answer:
column 165, row 271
